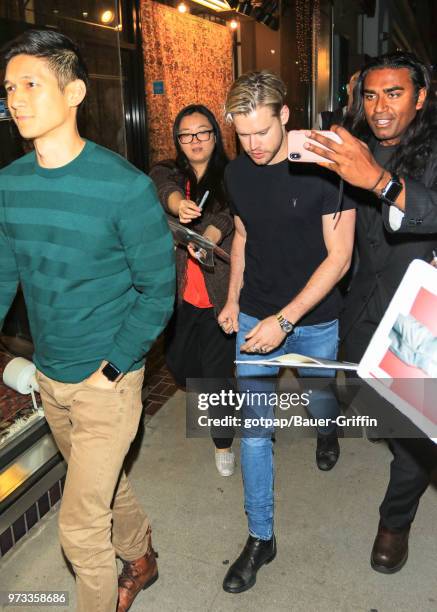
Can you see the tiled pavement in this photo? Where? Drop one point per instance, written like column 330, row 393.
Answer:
column 160, row 386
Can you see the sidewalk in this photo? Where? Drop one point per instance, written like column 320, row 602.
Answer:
column 325, row 525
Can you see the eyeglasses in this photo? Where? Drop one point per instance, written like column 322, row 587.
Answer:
column 201, row 137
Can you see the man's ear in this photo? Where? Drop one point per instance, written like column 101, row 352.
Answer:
column 421, row 98
column 75, row 92
column 284, row 114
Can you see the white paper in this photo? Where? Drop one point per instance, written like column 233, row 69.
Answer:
column 295, row 360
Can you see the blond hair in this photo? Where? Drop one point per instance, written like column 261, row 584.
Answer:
column 252, row 89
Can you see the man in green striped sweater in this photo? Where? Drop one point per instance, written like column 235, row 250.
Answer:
column 82, row 230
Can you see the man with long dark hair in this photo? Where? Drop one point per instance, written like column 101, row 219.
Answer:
column 391, row 152
column 84, row 233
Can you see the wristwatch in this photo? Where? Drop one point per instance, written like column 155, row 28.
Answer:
column 392, row 190
column 286, row 325
column 111, row 371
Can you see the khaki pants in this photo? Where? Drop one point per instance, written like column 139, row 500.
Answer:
column 93, row 429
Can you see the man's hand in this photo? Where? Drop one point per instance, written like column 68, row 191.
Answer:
column 228, row 318
column 352, row 159
column 264, row 337
column 188, row 210
column 99, row 380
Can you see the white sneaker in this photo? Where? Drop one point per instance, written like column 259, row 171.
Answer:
column 225, row 463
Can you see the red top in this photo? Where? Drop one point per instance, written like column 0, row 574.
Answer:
column 195, row 292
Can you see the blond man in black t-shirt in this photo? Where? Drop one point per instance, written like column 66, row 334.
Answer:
column 288, row 254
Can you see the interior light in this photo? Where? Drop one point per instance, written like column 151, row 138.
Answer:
column 182, row 8
column 215, row 5
column 107, row 16
column 233, row 24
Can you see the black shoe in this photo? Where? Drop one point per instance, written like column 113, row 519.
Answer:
column 241, row 576
column 328, row 451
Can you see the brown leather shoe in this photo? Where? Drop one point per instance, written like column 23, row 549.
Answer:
column 136, row 576
column 390, row 550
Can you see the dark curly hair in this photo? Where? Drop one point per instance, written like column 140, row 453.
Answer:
column 411, row 158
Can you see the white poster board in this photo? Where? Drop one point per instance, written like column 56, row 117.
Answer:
column 400, row 362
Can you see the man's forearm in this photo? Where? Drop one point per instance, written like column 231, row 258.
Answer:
column 149, row 252
column 237, row 267
column 321, row 282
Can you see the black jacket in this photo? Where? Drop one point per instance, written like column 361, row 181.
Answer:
column 384, row 255
column 421, row 204
column 168, row 179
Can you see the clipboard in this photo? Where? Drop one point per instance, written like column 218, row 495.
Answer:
column 183, row 236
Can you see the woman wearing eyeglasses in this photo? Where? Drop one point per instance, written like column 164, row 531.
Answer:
column 196, row 346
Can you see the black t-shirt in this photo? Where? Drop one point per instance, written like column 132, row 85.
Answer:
column 281, row 206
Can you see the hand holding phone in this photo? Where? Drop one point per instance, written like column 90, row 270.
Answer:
column 297, row 151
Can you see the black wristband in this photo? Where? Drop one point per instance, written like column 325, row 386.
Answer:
column 377, row 182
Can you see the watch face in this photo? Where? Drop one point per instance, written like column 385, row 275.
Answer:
column 393, row 192
column 287, row 327
column 110, row 371
column 392, row 189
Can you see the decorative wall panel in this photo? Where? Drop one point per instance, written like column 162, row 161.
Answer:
column 187, row 60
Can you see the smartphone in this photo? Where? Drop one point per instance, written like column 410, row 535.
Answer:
column 297, row 152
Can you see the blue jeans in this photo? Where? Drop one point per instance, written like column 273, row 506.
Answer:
column 257, row 467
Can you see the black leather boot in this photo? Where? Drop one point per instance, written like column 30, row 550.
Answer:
column 241, row 576
column 328, row 451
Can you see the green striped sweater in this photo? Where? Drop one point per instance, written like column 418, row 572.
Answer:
column 90, row 245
